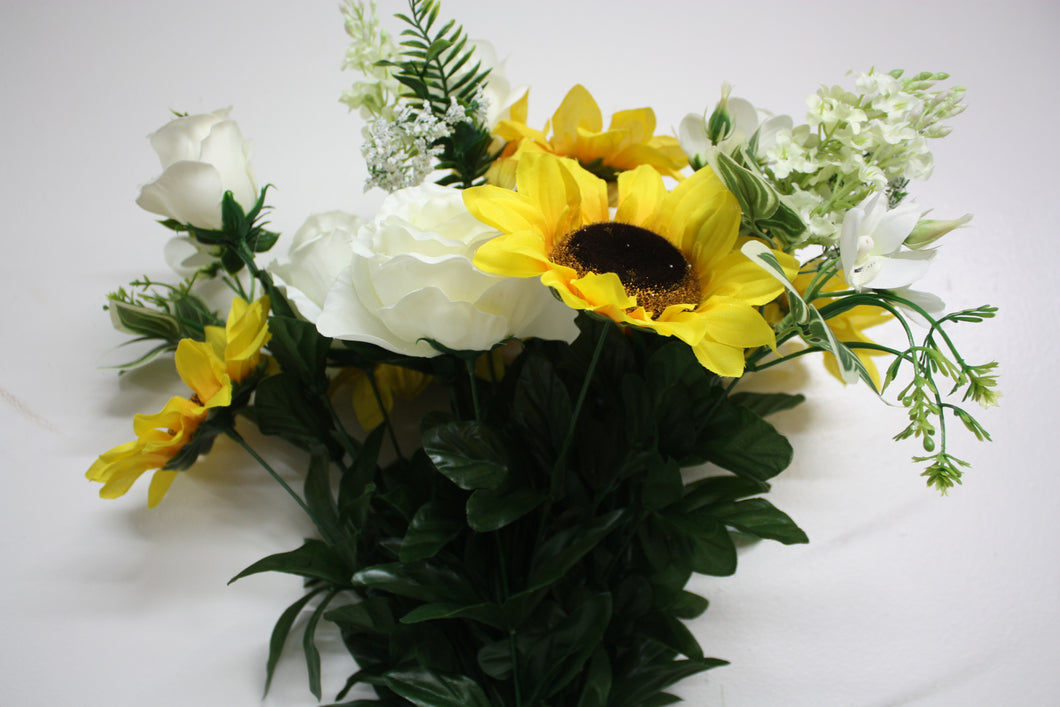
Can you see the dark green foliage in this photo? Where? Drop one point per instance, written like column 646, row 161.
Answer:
column 535, row 554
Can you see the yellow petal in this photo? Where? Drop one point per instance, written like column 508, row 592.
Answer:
column 578, row 110
column 726, row 361
column 640, row 193
column 604, row 290
column 199, row 368
column 503, row 209
column 521, row 254
column 160, row 483
column 639, row 123
column 735, row 323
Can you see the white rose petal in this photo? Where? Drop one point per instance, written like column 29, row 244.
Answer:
column 407, row 276
column 202, row 157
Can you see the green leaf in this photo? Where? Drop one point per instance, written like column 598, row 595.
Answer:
column 597, row 687
column 282, row 409
column 566, row 547
column 431, row 529
column 143, row 321
column 643, row 687
column 370, row 614
column 436, row 48
column 356, row 478
column 757, row 198
column 489, row 509
column 468, row 454
column 483, row 612
column 745, row 444
column 714, row 489
column 280, row 632
column 670, row 632
column 300, row 350
column 713, row 551
column 542, row 407
column 561, row 651
column 318, row 496
column 759, row 517
column 425, row 688
column 419, row 580
column 663, row 484
column 765, row 404
column 315, row 559
column 495, row 659
column 309, row 645
column 814, row 330
column 689, row 606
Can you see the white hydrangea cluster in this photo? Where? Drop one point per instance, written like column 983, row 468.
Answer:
column 401, row 152
column 857, row 143
column 376, row 96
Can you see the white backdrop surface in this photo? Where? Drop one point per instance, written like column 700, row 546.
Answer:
column 901, row 597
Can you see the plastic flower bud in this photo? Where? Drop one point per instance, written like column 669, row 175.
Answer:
column 719, row 125
column 203, row 156
column 927, row 231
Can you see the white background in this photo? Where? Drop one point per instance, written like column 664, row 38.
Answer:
column 901, row 598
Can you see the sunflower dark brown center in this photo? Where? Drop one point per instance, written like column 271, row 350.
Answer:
column 649, row 266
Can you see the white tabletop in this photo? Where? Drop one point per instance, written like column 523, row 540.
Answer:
column 901, row 597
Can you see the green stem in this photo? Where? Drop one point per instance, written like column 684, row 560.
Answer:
column 512, row 643
column 231, row 432
column 472, row 382
column 370, row 372
column 558, row 470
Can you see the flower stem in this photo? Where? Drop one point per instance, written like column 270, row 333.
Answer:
column 558, row 470
column 231, row 432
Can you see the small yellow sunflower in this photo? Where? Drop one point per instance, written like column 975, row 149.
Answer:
column 662, row 260
column 577, row 132
column 209, row 368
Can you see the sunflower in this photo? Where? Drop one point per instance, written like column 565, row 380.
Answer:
column 577, row 132
column 662, row 260
column 210, row 369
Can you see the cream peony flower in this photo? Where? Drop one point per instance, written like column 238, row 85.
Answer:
column 870, row 243
column 202, row 157
column 407, row 277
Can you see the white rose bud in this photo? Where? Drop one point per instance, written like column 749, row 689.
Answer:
column 410, row 277
column 202, row 157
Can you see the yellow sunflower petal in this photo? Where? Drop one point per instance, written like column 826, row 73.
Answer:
column 160, row 483
column 736, row 323
column 735, row 275
column 545, row 182
column 640, row 193
column 604, row 290
column 726, row 361
column 503, row 209
column 578, row 110
column 702, row 218
column 521, row 254
column 200, row 369
column 639, row 123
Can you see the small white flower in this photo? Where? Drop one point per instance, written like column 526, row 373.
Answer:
column 870, row 245
column 745, row 124
column 202, row 157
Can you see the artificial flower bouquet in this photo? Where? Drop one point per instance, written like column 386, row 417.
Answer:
column 572, row 307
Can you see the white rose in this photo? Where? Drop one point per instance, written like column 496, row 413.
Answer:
column 202, row 157
column 319, row 252
column 409, row 278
